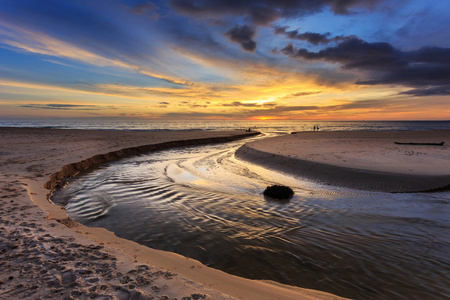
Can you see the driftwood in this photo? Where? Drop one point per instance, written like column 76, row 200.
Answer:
column 426, row 144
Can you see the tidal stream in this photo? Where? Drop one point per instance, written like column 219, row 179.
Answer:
column 203, row 203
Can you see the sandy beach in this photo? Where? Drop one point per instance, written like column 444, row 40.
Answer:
column 358, row 159
column 46, row 255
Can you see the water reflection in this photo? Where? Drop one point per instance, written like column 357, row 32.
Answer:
column 203, row 203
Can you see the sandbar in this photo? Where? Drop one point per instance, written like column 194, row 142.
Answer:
column 363, row 160
column 46, row 255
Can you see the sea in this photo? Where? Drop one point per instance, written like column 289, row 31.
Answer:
column 204, row 203
column 281, row 126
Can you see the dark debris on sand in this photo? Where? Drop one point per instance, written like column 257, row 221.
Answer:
column 278, row 192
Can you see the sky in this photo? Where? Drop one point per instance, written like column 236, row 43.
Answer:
column 225, row 59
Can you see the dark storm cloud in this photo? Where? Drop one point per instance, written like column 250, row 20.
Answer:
column 352, row 53
column 440, row 90
column 432, row 54
column 427, row 67
column 263, row 12
column 243, row 35
column 310, row 37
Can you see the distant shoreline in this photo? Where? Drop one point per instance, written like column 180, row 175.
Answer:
column 284, row 126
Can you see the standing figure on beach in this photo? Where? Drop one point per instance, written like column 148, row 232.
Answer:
column 314, row 127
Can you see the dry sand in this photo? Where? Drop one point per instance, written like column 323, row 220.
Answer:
column 46, row 255
column 360, row 160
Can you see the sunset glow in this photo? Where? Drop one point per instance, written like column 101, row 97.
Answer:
column 262, row 60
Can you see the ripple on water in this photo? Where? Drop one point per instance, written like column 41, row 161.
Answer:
column 203, row 203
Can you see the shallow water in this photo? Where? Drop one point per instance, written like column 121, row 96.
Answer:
column 203, row 203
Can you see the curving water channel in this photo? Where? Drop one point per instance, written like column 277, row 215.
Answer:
column 203, row 203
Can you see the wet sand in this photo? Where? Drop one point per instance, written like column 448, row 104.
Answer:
column 359, row 159
column 46, row 255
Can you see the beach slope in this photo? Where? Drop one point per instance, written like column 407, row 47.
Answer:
column 406, row 161
column 46, row 255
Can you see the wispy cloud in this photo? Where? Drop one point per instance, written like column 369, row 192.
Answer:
column 300, row 94
column 62, row 106
column 213, row 58
column 41, row 43
column 249, row 104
